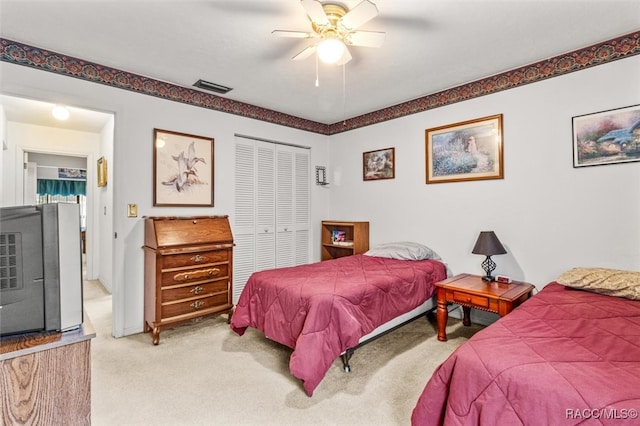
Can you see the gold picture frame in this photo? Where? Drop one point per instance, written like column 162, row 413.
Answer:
column 102, row 172
column 183, row 167
column 465, row 151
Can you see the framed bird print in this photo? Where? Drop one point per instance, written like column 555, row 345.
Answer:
column 182, row 169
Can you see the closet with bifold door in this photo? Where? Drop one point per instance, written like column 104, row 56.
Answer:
column 271, row 222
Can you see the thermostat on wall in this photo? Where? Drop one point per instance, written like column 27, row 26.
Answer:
column 503, row 279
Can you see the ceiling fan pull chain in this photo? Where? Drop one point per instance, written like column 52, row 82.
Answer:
column 317, row 78
column 344, row 94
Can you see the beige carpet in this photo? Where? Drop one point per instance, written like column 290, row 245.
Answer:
column 207, row 375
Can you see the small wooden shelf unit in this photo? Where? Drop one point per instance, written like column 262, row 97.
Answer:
column 187, row 270
column 356, row 233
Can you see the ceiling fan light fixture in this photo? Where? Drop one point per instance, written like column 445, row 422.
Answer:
column 60, row 112
column 330, row 50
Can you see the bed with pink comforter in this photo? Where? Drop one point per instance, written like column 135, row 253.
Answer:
column 565, row 356
column 322, row 309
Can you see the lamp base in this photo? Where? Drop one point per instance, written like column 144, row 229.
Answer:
column 488, row 265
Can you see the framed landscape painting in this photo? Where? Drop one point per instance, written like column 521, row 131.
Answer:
column 607, row 137
column 469, row 150
column 379, row 164
column 182, row 169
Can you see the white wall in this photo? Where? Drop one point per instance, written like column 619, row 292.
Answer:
column 549, row 216
column 22, row 138
column 131, row 168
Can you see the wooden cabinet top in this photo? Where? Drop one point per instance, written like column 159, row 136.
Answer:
column 174, row 231
column 344, row 222
column 474, row 284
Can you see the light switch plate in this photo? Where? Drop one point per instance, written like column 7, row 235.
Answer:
column 132, row 210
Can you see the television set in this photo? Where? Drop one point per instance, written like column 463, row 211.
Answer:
column 40, row 269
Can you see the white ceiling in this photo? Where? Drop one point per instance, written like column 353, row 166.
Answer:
column 31, row 111
column 430, row 45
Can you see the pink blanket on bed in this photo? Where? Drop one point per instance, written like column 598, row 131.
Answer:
column 563, row 357
column 322, row 309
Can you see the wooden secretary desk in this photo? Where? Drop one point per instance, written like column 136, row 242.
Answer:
column 187, row 270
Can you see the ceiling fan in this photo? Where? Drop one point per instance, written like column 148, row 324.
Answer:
column 335, row 27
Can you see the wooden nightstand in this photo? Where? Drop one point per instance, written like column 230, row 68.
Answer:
column 470, row 291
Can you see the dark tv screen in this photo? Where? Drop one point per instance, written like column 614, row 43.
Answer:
column 22, row 305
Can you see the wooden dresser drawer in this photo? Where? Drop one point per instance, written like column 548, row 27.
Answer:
column 470, row 299
column 192, row 259
column 170, row 309
column 200, row 274
column 175, row 293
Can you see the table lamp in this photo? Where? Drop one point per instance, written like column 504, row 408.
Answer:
column 489, row 245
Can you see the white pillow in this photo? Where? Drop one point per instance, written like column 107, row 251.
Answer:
column 403, row 250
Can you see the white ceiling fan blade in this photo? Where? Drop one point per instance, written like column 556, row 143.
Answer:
column 365, row 38
column 346, row 57
column 308, row 51
column 292, row 34
column 315, row 11
column 363, row 12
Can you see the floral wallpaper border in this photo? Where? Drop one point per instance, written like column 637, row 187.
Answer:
column 22, row 54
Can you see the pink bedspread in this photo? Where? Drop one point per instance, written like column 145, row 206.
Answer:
column 322, row 309
column 563, row 357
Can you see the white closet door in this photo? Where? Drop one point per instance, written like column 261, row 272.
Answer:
column 302, row 215
column 284, row 209
column 244, row 223
column 265, row 206
column 272, row 220
column 292, row 206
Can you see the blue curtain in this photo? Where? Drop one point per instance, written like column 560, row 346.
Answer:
column 62, row 187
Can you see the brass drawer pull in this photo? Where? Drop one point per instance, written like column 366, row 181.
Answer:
column 197, row 304
column 181, row 277
column 198, row 258
column 197, row 290
column 184, row 276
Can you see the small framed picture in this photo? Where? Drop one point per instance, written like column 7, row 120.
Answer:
column 102, row 171
column 469, row 150
column 182, row 169
column 69, row 173
column 380, row 164
column 607, row 137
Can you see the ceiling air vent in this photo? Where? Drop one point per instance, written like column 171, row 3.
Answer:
column 212, row 86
